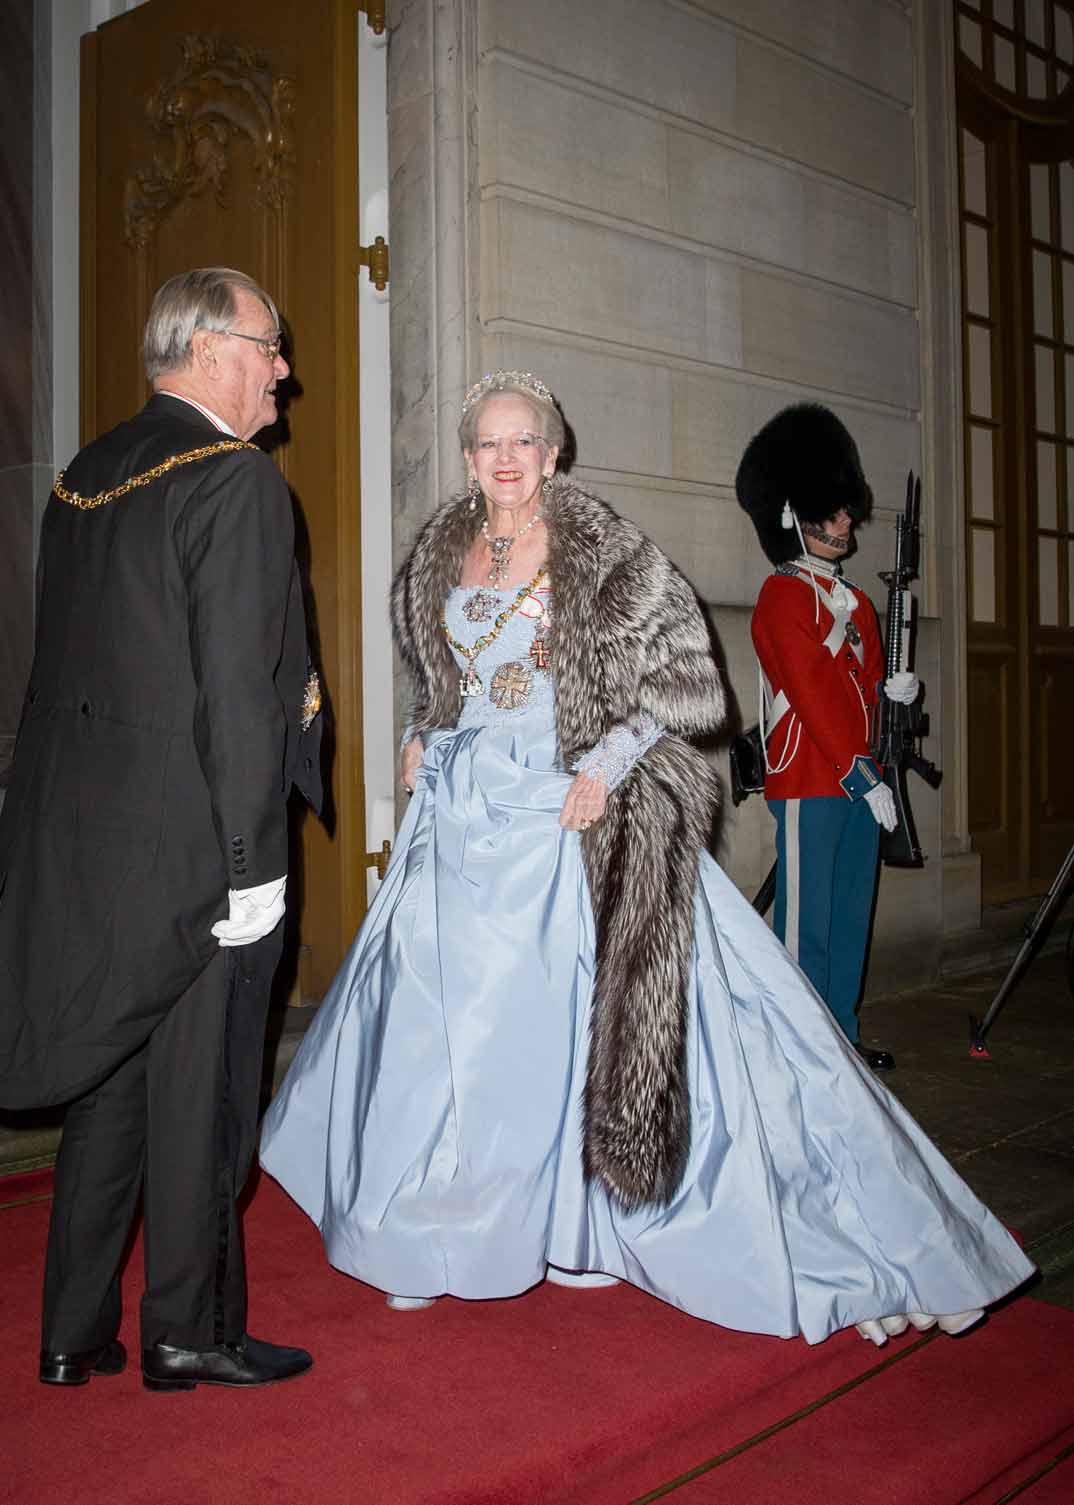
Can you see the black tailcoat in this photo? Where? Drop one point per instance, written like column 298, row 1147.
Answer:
column 160, row 738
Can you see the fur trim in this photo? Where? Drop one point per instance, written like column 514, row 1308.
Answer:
column 629, row 638
column 805, row 456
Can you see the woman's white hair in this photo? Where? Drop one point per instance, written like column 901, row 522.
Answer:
column 202, row 299
column 512, row 384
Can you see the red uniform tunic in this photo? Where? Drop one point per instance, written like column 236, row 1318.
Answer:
column 831, row 695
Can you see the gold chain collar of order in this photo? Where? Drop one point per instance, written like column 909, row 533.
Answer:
column 471, row 681
column 147, row 477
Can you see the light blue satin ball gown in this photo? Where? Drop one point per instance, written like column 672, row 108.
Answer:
column 431, row 1122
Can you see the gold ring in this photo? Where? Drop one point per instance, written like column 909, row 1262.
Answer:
column 585, row 825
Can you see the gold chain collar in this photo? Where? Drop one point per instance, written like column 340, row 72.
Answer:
column 147, row 477
column 498, row 626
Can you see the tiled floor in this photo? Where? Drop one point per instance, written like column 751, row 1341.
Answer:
column 1006, row 1122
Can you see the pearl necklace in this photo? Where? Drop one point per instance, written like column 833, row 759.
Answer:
column 501, row 549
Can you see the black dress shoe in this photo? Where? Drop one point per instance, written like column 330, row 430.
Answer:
column 876, row 1060
column 250, row 1362
column 77, row 1368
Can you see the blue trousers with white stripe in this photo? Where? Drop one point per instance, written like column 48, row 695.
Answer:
column 827, row 851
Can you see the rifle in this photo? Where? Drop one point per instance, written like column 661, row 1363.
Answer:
column 898, row 729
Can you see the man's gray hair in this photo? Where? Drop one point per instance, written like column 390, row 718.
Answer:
column 202, row 299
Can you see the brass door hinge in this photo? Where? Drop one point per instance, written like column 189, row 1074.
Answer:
column 375, row 257
column 380, row 859
column 374, row 12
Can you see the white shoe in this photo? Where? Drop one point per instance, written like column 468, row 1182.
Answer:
column 580, row 1280
column 410, row 1303
column 895, row 1326
column 952, row 1323
column 873, row 1330
column 955, row 1323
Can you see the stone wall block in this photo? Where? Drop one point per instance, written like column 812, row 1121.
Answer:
column 658, row 55
column 773, row 211
column 646, row 293
column 802, row 333
column 682, row 63
column 869, row 40
column 786, row 106
column 545, row 136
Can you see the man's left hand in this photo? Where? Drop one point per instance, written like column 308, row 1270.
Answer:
column 903, row 687
column 252, row 913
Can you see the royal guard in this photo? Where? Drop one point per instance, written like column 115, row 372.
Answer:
column 821, row 674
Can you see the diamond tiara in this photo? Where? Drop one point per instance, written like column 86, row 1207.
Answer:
column 496, row 381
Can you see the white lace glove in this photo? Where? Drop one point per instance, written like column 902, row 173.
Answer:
column 253, row 913
column 902, row 687
column 881, row 802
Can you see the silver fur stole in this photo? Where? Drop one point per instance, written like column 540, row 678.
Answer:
column 628, row 637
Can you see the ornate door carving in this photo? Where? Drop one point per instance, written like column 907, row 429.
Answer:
column 228, row 136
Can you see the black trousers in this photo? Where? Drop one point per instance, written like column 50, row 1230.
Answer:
column 177, row 1121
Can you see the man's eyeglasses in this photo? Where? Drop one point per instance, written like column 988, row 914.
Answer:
column 270, row 349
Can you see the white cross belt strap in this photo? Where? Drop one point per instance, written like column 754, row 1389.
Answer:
column 842, row 603
column 771, row 710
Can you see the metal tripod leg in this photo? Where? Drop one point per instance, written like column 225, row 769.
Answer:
column 1051, row 901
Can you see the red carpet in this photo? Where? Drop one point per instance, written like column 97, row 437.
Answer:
column 556, row 1398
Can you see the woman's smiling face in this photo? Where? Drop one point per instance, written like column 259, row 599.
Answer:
column 510, row 457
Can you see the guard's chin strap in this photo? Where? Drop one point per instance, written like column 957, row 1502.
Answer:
column 816, row 531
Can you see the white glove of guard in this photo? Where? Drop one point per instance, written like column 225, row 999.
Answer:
column 902, row 687
column 881, row 802
column 253, row 913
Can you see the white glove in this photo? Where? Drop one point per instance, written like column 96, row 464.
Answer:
column 881, row 802
column 253, row 913
column 902, row 687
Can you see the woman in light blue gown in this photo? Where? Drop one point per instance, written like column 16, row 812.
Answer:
column 562, row 1041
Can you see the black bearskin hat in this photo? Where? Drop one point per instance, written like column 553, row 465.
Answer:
column 805, row 456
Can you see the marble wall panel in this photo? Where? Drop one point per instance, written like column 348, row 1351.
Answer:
column 804, row 333
column 869, row 40
column 539, row 271
column 686, row 64
column 411, row 26
column 777, row 213
column 706, row 534
column 656, row 54
column 541, row 134
column 825, row 124
column 412, row 319
column 555, row 272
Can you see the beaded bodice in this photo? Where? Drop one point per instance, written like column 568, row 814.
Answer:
column 515, row 673
column 515, row 669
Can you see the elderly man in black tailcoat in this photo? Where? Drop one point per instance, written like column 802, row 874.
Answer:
column 143, row 842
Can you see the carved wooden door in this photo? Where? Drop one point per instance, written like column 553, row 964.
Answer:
column 227, row 135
